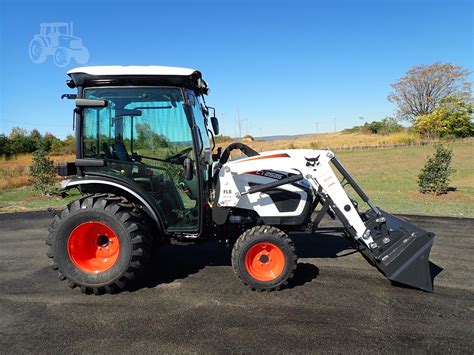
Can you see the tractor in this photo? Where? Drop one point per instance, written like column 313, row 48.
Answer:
column 57, row 39
column 149, row 173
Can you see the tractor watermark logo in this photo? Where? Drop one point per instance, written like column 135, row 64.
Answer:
column 56, row 39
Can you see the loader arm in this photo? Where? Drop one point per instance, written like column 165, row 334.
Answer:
column 397, row 248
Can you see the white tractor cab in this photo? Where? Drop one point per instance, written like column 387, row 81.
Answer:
column 146, row 168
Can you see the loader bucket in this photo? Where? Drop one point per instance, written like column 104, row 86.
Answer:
column 405, row 258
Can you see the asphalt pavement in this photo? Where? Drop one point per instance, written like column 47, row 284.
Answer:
column 192, row 302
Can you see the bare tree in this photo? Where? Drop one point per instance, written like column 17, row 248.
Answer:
column 423, row 87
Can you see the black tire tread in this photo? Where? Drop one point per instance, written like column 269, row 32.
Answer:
column 246, row 236
column 134, row 221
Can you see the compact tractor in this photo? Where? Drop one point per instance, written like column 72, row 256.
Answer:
column 149, row 173
column 57, row 39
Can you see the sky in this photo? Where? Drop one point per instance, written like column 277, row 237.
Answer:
column 283, row 67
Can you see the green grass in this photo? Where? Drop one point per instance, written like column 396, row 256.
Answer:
column 388, row 176
column 24, row 199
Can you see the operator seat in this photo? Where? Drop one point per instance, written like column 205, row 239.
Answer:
column 120, row 152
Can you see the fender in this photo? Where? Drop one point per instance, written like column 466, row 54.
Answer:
column 134, row 192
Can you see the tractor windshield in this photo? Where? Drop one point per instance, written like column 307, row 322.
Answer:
column 144, row 136
column 63, row 30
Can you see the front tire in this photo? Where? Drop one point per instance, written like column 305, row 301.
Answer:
column 62, row 57
column 264, row 258
column 99, row 243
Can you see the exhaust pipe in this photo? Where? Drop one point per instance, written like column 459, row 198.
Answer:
column 403, row 255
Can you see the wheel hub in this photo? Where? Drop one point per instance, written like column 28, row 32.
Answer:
column 265, row 261
column 93, row 247
column 103, row 241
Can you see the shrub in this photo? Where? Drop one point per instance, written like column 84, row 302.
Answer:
column 385, row 127
column 435, row 175
column 43, row 173
column 221, row 138
column 5, row 146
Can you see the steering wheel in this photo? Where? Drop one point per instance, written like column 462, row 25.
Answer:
column 179, row 157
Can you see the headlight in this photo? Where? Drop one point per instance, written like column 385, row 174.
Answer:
column 304, row 183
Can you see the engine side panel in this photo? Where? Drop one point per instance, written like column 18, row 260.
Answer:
column 240, row 175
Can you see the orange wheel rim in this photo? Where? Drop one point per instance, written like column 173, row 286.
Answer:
column 265, row 261
column 93, row 247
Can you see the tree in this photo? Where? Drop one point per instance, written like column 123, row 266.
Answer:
column 43, row 173
column 70, row 140
column 5, row 146
column 435, row 175
column 48, row 140
column 453, row 117
column 36, row 135
column 385, row 127
column 18, row 132
column 423, row 88
column 147, row 138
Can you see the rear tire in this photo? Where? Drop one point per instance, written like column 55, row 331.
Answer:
column 264, row 258
column 37, row 50
column 99, row 243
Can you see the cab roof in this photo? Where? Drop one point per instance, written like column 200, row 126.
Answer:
column 137, row 75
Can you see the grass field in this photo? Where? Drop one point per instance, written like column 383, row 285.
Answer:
column 24, row 199
column 388, row 175
column 15, row 172
column 334, row 141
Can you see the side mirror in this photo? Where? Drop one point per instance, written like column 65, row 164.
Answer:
column 90, row 103
column 188, row 169
column 215, row 125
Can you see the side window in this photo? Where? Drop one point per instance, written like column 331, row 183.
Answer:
column 97, row 132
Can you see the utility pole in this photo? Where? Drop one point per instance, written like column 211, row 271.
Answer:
column 222, row 123
column 317, row 130
column 335, row 129
column 239, row 124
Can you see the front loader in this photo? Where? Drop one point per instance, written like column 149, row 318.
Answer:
column 148, row 172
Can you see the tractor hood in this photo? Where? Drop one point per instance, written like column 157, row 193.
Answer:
column 137, row 75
